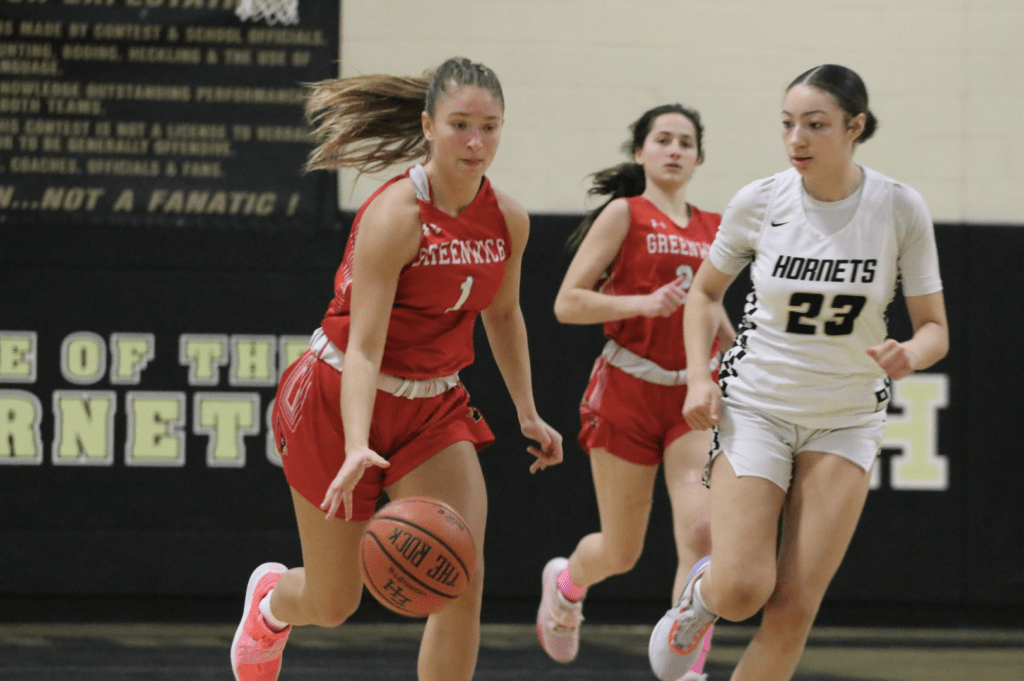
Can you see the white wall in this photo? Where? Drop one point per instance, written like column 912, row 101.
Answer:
column 945, row 77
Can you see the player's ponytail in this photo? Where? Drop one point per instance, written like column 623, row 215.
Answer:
column 623, row 180
column 374, row 122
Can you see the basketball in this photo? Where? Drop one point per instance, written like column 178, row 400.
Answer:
column 417, row 556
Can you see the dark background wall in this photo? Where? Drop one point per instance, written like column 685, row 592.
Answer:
column 121, row 542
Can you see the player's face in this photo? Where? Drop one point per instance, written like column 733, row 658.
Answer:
column 465, row 130
column 669, row 155
column 818, row 134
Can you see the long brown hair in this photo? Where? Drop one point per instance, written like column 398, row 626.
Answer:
column 374, row 122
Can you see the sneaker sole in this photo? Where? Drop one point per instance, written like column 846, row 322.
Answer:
column 250, row 591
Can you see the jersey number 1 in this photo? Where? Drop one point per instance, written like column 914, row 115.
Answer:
column 466, row 287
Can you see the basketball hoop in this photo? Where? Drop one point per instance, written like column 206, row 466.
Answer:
column 271, row 11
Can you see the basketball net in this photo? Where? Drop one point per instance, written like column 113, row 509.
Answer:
column 271, row 11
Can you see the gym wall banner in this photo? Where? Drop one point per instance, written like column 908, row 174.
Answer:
column 159, row 112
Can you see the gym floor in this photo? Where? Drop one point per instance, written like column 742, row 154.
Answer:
column 365, row 652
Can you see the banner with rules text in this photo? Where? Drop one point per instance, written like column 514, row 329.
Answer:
column 161, row 112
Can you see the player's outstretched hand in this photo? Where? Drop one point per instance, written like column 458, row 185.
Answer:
column 340, row 491
column 703, row 406
column 548, row 449
column 893, row 358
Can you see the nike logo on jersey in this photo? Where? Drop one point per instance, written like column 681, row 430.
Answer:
column 825, row 269
column 779, row 224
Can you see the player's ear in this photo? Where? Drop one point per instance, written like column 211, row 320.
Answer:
column 428, row 126
column 856, row 126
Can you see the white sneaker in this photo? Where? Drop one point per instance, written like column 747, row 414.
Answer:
column 696, row 672
column 676, row 640
column 558, row 619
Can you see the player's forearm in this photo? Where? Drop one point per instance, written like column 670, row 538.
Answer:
column 358, row 393
column 702, row 319
column 580, row 306
column 726, row 332
column 506, row 334
column 929, row 344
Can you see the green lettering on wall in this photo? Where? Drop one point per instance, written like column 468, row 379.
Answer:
column 83, row 428
column 225, row 418
column 17, row 357
column 915, row 432
column 155, row 434
column 21, row 443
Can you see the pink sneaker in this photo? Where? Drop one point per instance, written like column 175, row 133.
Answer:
column 558, row 619
column 256, row 650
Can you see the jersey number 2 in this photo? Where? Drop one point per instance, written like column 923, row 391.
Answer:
column 845, row 310
column 686, row 272
column 466, row 287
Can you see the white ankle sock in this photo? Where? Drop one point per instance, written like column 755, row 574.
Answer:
column 698, row 598
column 268, row 617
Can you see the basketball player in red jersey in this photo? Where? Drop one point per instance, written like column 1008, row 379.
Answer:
column 428, row 252
column 635, row 260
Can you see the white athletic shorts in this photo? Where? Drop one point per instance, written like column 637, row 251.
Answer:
column 763, row 446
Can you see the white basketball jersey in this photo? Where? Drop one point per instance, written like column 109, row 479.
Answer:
column 819, row 300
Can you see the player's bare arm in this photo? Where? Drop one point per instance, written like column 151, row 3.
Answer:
column 387, row 240
column 702, row 319
column 929, row 344
column 578, row 303
column 506, row 334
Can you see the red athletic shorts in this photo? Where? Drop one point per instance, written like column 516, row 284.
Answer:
column 309, row 435
column 633, row 419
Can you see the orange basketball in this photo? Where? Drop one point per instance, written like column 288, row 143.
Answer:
column 417, row 556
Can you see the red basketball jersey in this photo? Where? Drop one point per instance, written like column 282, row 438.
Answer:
column 459, row 270
column 656, row 251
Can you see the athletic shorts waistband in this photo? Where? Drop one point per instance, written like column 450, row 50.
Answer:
column 410, row 388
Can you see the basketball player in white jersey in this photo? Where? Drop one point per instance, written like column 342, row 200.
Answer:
column 800, row 406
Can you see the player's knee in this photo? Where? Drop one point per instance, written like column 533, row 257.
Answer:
column 333, row 612
column 695, row 534
column 476, row 583
column 623, row 558
column 793, row 613
column 742, row 595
